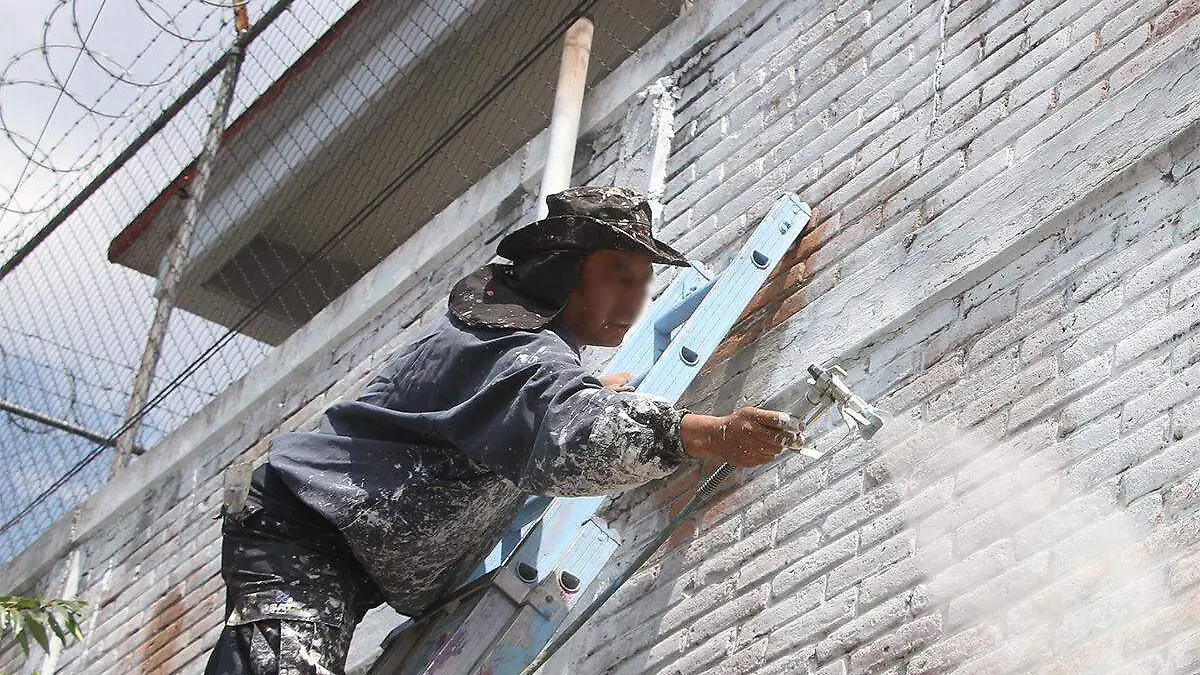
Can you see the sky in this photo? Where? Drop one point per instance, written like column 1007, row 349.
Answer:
column 140, row 54
column 137, row 55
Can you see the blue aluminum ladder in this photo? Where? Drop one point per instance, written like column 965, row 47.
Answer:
column 502, row 616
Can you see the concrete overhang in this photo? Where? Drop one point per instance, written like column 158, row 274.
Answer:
column 335, row 143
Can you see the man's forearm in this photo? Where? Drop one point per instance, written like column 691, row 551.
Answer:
column 700, row 434
column 745, row 437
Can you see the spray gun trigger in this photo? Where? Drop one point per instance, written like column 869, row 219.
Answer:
column 794, row 426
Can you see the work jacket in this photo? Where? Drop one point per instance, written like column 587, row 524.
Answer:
column 422, row 473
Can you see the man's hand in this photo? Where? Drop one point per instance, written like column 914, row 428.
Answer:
column 617, row 381
column 746, row 437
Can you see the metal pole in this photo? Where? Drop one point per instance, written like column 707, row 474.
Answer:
column 662, row 127
column 568, row 108
column 60, row 424
column 167, row 288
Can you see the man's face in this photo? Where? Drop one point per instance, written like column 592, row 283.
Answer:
column 612, row 289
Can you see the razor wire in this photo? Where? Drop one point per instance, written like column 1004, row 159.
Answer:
column 420, row 99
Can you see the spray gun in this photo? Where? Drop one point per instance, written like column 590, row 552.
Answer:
column 826, row 388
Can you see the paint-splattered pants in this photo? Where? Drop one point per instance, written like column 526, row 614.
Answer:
column 280, row 647
column 294, row 593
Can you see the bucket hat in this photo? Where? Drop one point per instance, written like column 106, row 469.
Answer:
column 546, row 256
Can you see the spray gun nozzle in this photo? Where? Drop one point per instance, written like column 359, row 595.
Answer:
column 867, row 420
column 827, row 388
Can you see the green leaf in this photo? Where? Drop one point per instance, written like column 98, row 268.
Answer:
column 67, row 615
column 19, row 630
column 13, row 602
column 22, row 617
column 38, row 631
column 55, row 622
column 73, row 626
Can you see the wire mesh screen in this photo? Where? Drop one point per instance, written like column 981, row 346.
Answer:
column 348, row 126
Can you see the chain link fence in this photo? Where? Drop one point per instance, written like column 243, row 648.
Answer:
column 349, row 126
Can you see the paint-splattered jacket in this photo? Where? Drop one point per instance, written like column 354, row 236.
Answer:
column 424, row 471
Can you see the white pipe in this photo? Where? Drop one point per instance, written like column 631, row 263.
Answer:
column 568, row 108
column 662, row 127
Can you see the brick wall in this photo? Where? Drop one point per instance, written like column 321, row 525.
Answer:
column 1046, row 441
column 1034, row 507
column 1003, row 252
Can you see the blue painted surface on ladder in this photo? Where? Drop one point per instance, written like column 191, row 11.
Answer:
column 732, row 291
column 674, row 317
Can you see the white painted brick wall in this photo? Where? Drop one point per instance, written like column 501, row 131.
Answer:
column 1077, row 351
column 837, row 598
column 1056, row 379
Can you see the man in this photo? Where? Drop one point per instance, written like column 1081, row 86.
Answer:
column 400, row 492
